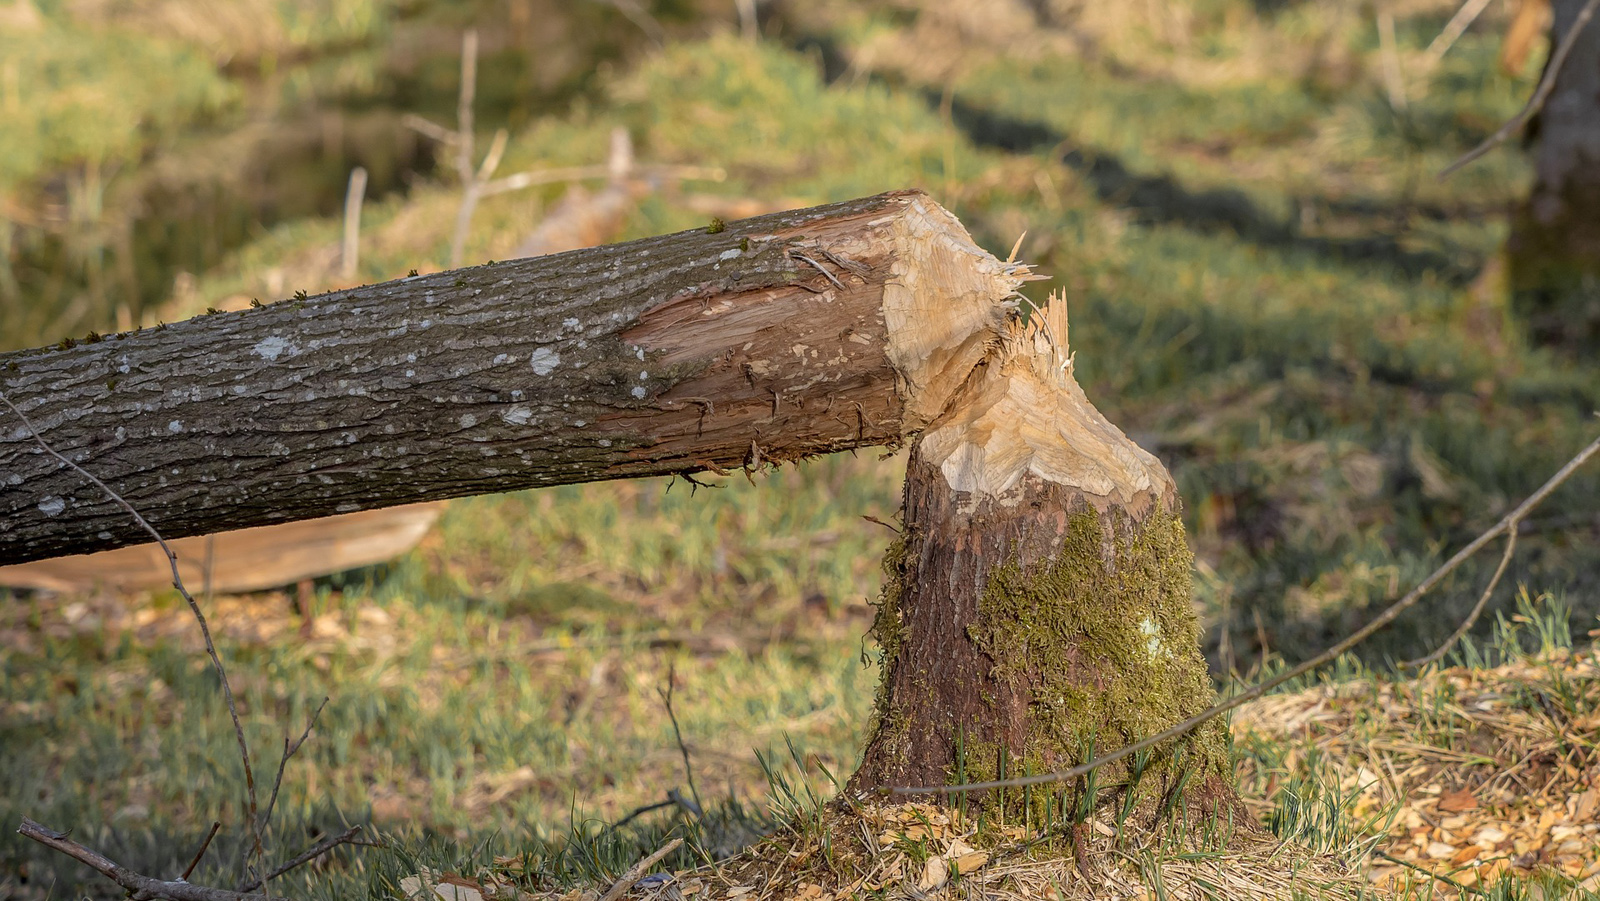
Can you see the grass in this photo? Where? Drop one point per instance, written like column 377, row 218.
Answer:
column 1268, row 289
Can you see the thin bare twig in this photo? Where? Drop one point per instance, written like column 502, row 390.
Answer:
column 464, row 103
column 578, row 173
column 350, row 250
column 471, row 182
column 638, row 15
column 637, row 871
column 194, row 607
column 346, row 837
column 437, row 132
column 1256, row 691
column 642, row 810
column 749, row 21
column 1477, row 609
column 1431, row 874
column 1454, row 29
column 677, row 733
column 1393, row 79
column 288, row 752
column 215, row 825
column 138, row 885
column 1540, row 95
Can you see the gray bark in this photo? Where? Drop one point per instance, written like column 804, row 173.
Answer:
column 1555, row 243
column 705, row 350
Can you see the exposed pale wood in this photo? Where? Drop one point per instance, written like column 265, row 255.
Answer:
column 1041, row 599
column 798, row 333
column 241, row 560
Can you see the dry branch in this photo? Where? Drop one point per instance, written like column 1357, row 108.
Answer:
column 121, row 505
column 137, row 885
column 1540, row 94
column 711, row 349
column 637, row 871
column 350, row 248
column 140, row 886
column 347, row 837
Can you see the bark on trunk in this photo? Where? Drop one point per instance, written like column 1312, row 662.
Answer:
column 775, row 338
column 1038, row 608
column 1555, row 242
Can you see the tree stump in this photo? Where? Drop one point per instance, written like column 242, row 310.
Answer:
column 1037, row 610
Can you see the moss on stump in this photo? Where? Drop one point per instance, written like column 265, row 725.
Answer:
column 1038, row 609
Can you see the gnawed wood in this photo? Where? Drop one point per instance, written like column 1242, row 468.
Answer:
column 765, row 341
column 1039, row 604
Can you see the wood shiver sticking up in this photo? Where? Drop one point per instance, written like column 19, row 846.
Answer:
column 1027, row 417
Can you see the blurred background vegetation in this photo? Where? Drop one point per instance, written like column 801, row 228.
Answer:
column 1269, row 287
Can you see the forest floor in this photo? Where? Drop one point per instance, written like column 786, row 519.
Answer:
column 1269, row 289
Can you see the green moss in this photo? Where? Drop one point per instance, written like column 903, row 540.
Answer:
column 97, row 98
column 888, row 630
column 1111, row 653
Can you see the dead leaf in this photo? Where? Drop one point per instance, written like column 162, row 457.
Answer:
column 1440, row 850
column 970, row 863
column 1456, row 801
column 934, row 874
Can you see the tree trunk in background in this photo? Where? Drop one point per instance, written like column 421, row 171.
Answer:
column 772, row 339
column 1555, row 240
column 1038, row 608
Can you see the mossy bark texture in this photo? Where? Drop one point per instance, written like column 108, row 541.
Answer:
column 1038, row 609
column 1555, row 241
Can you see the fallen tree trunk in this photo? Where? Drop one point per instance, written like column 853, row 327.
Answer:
column 769, row 340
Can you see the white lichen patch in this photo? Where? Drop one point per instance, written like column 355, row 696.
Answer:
column 544, row 361
column 52, row 506
column 175, row 426
column 1151, row 631
column 467, row 420
column 272, row 347
column 639, row 392
column 518, row 415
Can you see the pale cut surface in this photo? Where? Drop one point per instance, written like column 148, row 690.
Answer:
column 944, row 307
column 1027, row 416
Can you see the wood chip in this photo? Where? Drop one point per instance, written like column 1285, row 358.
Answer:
column 1457, row 801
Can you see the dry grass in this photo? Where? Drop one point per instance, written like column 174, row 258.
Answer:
column 919, row 851
column 1473, row 775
